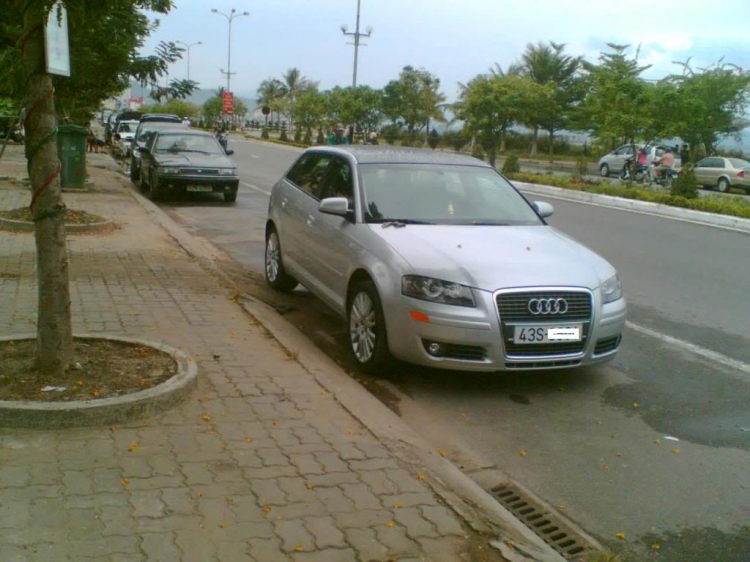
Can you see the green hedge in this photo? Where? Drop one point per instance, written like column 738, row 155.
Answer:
column 735, row 207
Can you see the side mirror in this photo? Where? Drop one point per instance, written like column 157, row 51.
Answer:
column 544, row 209
column 338, row 206
column 229, row 152
column 117, row 137
column 143, row 150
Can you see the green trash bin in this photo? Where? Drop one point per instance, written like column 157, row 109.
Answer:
column 71, row 149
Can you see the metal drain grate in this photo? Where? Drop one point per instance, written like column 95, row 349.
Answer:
column 550, row 527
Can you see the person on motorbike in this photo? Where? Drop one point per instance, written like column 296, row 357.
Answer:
column 664, row 164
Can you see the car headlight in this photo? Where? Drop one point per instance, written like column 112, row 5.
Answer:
column 227, row 171
column 170, row 170
column 611, row 290
column 436, row 290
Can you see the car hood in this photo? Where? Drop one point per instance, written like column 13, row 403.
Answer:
column 496, row 257
column 193, row 160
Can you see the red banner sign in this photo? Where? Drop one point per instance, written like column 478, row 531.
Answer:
column 228, row 103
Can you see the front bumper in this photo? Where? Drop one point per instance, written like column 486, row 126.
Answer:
column 471, row 340
column 207, row 184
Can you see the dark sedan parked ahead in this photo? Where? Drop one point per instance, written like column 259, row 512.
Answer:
column 185, row 162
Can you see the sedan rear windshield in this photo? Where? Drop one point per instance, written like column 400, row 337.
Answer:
column 188, row 143
column 739, row 163
column 441, row 194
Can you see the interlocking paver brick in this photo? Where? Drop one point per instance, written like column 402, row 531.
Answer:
column 267, row 550
column 445, row 522
column 416, row 525
column 327, row 555
column 325, row 532
column 294, row 535
column 146, row 504
column 160, row 547
column 268, row 492
column 366, row 544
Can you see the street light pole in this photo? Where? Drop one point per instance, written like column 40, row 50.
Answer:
column 230, row 18
column 187, row 48
column 357, row 34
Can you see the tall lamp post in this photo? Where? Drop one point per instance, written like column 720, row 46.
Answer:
column 187, row 48
column 230, row 18
column 357, row 34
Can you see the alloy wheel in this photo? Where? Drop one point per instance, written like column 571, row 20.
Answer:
column 273, row 257
column 362, row 325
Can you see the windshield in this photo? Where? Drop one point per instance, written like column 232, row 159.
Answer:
column 739, row 163
column 188, row 143
column 441, row 194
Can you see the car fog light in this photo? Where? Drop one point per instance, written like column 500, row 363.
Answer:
column 434, row 349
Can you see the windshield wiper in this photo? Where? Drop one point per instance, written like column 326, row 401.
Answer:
column 190, row 150
column 400, row 223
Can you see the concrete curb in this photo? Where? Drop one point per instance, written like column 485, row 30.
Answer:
column 476, row 506
column 107, row 411
column 25, row 226
column 633, row 205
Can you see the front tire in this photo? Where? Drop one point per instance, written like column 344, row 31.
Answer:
column 154, row 189
column 368, row 341
column 276, row 275
column 723, row 185
column 604, row 170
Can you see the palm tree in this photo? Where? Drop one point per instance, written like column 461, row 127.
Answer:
column 545, row 64
column 295, row 84
column 270, row 92
column 514, row 69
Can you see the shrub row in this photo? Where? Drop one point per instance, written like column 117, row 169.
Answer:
column 724, row 206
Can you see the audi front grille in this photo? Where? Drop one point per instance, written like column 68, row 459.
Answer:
column 550, row 307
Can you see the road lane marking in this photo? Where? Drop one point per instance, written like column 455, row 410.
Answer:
column 254, row 156
column 637, row 212
column 695, row 349
column 256, row 188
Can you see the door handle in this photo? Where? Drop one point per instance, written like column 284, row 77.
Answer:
column 283, row 203
column 310, row 220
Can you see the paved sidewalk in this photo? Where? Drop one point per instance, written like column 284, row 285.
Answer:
column 259, row 464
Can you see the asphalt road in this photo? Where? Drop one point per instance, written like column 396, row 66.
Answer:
column 655, row 445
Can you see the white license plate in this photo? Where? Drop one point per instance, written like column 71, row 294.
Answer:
column 200, row 188
column 546, row 334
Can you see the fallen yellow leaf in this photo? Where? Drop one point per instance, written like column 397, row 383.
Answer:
column 522, row 453
column 133, row 448
column 656, row 546
column 420, row 476
column 635, row 404
column 200, row 494
column 266, row 509
column 299, row 548
column 676, row 451
column 249, row 439
column 657, row 441
column 620, row 536
column 309, row 486
column 389, row 524
column 96, row 393
column 442, row 453
column 398, row 505
column 206, row 417
column 125, row 481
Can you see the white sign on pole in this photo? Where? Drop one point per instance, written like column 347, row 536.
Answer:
column 56, row 41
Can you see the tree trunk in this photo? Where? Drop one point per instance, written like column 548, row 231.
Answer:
column 535, row 142
column 54, row 332
column 491, row 155
column 551, row 146
column 502, row 140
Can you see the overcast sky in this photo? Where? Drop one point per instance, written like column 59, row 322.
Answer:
column 453, row 39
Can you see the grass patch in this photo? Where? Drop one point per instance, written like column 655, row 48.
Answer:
column 734, row 207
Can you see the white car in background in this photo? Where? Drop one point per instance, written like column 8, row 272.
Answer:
column 722, row 173
column 612, row 163
column 123, row 137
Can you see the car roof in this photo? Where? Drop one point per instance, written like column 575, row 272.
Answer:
column 156, row 125
column 376, row 154
column 185, row 132
column 163, row 117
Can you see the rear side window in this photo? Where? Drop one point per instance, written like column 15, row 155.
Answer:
column 308, row 172
column 714, row 163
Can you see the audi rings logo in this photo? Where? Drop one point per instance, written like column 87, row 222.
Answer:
column 548, row 306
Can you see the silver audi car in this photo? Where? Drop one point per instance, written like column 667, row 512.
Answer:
column 436, row 259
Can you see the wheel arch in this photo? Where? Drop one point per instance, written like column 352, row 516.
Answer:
column 358, row 275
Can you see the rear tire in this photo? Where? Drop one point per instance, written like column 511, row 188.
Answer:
column 368, row 340
column 276, row 276
column 134, row 175
column 154, row 189
column 604, row 170
column 230, row 197
column 723, row 185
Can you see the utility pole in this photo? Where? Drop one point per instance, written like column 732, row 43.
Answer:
column 357, row 34
column 230, row 18
column 187, row 48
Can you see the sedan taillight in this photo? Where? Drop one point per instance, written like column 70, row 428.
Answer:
column 741, row 174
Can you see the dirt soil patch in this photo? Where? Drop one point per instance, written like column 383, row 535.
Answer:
column 100, row 369
column 72, row 216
